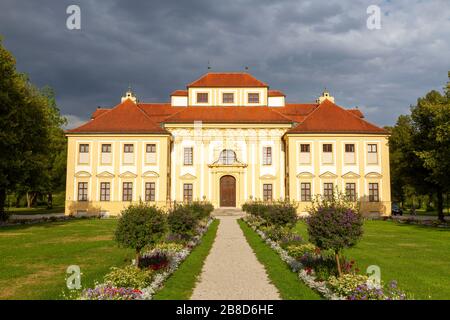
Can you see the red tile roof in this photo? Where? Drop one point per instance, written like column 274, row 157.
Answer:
column 99, row 111
column 356, row 112
column 181, row 93
column 227, row 79
column 275, row 93
column 330, row 118
column 126, row 117
column 228, row 115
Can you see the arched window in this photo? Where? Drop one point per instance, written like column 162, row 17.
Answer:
column 227, row 156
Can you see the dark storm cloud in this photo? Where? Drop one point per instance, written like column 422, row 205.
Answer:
column 299, row 47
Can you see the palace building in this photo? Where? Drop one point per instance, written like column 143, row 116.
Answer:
column 227, row 138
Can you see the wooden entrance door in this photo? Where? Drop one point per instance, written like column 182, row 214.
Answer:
column 227, row 191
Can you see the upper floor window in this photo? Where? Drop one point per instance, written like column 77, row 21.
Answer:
column 327, row 153
column 202, row 97
column 228, row 98
column 372, row 153
column 128, row 153
column 227, row 156
column 349, row 155
column 305, row 155
column 267, row 156
column 106, row 154
column 253, row 98
column 84, row 153
column 188, row 156
column 150, row 153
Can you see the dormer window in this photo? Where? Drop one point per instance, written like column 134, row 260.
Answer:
column 202, row 97
column 253, row 98
column 228, row 98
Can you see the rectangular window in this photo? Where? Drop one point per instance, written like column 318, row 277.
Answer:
column 253, row 98
column 267, row 156
column 105, row 191
column 305, row 189
column 349, row 147
column 150, row 154
column 305, row 155
column 128, row 148
column 350, row 191
column 149, row 191
column 187, row 192
column 267, row 192
column 84, row 148
column 328, row 191
column 202, row 97
column 228, row 98
column 327, row 147
column 349, row 154
column 106, row 148
column 372, row 154
column 82, row 191
column 188, row 156
column 84, row 153
column 327, row 154
column 127, row 191
column 373, row 192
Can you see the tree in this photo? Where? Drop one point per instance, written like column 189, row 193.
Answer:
column 334, row 224
column 140, row 225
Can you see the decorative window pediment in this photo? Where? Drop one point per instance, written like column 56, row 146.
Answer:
column 150, row 174
column 188, row 176
column 82, row 174
column 328, row 175
column 305, row 175
column 227, row 157
column 267, row 177
column 375, row 175
column 351, row 175
column 128, row 174
column 105, row 174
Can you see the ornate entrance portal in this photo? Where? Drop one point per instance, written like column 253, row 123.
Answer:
column 227, row 191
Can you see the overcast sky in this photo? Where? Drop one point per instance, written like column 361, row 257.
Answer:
column 296, row 46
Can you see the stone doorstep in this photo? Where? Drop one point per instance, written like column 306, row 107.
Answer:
column 224, row 211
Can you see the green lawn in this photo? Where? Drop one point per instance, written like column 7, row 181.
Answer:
column 182, row 282
column 286, row 281
column 34, row 258
column 418, row 257
column 37, row 210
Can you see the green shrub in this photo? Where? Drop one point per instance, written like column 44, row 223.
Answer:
column 182, row 220
column 139, row 226
column 129, row 277
column 346, row 284
column 279, row 213
column 334, row 224
column 298, row 251
column 202, row 209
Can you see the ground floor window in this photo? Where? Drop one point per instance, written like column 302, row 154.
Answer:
column 105, row 191
column 373, row 192
column 267, row 192
column 350, row 191
column 305, row 188
column 149, row 191
column 127, row 191
column 82, row 191
column 187, row 192
column 328, row 191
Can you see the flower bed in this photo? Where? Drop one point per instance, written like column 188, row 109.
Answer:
column 350, row 286
column 158, row 270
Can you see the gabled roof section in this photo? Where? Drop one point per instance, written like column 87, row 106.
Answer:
column 98, row 112
column 180, row 93
column 356, row 112
column 330, row 118
column 275, row 93
column 227, row 79
column 296, row 111
column 126, row 117
column 227, row 115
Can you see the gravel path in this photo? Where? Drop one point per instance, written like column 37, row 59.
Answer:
column 231, row 270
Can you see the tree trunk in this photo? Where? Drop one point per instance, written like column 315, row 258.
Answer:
column 28, row 200
column 49, row 200
column 3, row 214
column 138, row 257
column 338, row 263
column 440, row 205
